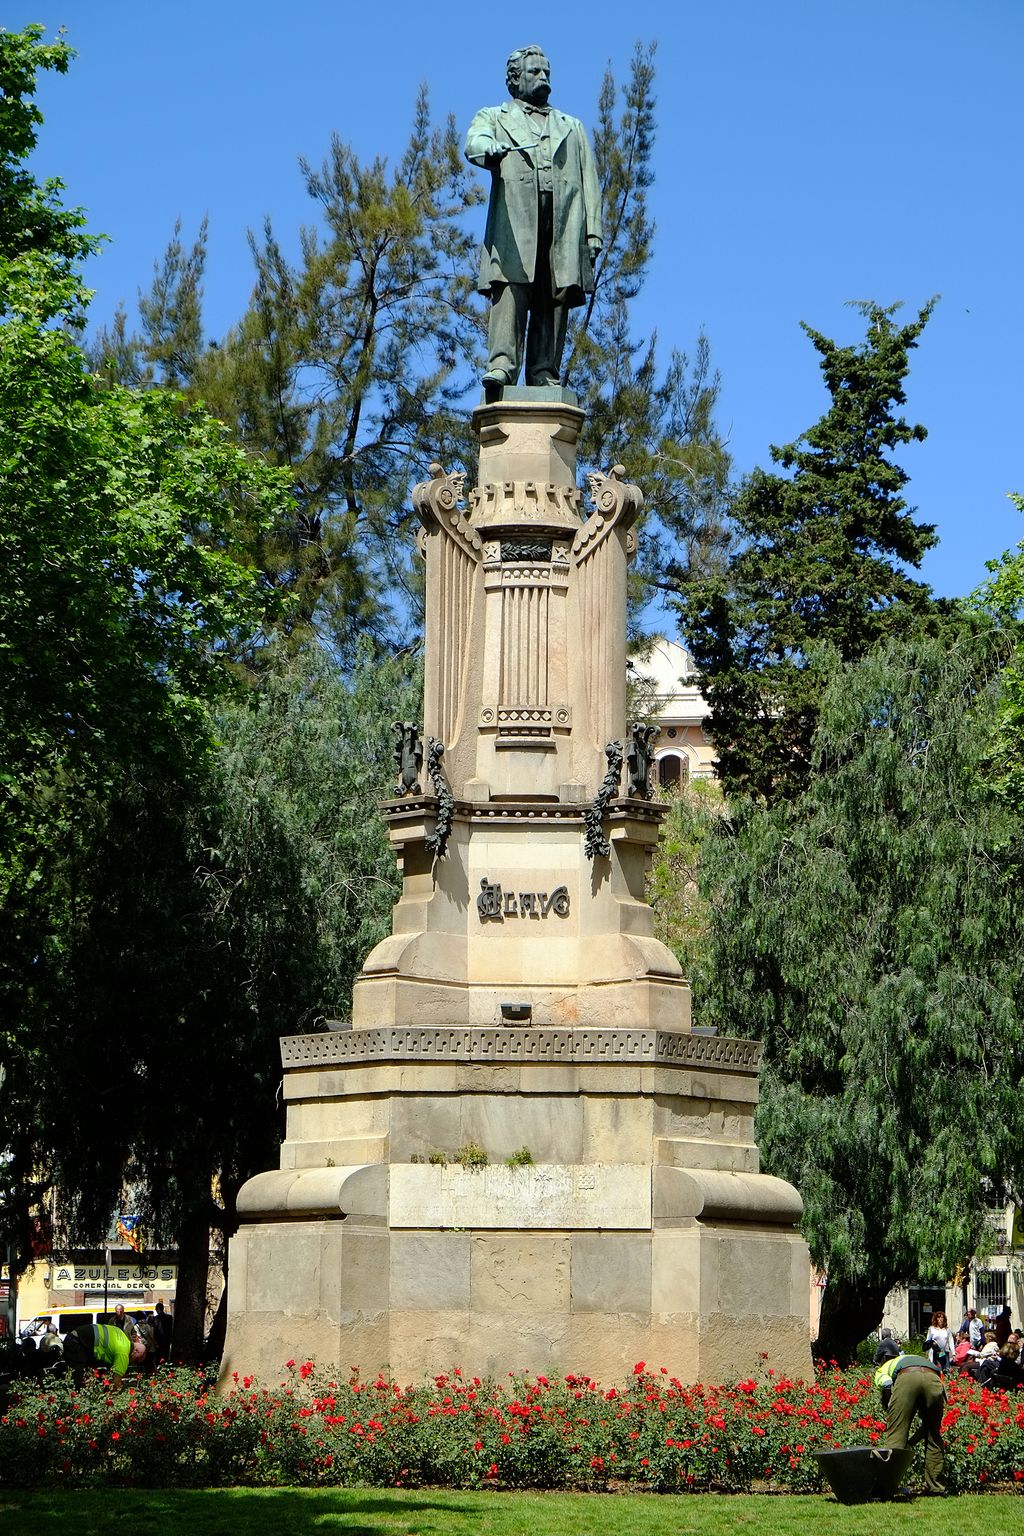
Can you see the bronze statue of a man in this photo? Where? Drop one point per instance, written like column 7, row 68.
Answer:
column 543, row 223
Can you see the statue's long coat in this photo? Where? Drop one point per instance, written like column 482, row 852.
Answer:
column 509, row 253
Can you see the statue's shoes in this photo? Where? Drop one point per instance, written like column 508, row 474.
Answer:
column 496, row 376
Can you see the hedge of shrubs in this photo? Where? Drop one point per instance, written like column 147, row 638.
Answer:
column 176, row 1429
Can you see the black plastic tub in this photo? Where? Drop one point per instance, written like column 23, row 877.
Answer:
column 861, row 1473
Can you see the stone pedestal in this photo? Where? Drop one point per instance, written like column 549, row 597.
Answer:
column 521, row 1001
column 642, row 1230
column 515, row 916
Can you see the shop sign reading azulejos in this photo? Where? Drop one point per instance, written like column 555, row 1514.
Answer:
column 90, row 1277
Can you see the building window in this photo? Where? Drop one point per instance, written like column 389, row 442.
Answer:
column 989, row 1289
column 673, row 771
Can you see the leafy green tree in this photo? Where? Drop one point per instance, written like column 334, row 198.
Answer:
column 126, row 524
column 213, row 924
column 179, row 887
column 868, row 932
column 820, row 559
column 189, row 868
column 35, row 227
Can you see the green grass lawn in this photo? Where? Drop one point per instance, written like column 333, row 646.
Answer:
column 433, row 1512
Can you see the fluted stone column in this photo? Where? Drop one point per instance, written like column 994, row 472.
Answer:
column 525, row 686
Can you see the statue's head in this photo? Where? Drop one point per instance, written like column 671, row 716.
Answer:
column 528, row 75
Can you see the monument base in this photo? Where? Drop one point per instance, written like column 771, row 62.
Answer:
column 570, row 940
column 641, row 1229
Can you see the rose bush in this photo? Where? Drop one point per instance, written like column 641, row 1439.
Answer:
column 176, row 1429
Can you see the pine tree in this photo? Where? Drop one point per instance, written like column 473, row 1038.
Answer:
column 358, row 365
column 820, row 560
column 346, row 369
column 658, row 423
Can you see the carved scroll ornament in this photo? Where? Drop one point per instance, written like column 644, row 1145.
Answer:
column 617, row 504
column 436, row 502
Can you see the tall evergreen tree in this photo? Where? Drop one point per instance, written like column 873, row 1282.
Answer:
column 346, row 369
column 868, row 931
column 358, row 365
column 821, row 559
column 659, row 422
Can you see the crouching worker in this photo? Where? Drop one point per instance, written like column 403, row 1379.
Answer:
column 912, row 1386
column 101, row 1344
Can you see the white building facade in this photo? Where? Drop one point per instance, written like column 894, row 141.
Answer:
column 666, row 681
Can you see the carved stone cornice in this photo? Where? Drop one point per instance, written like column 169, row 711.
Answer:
column 618, row 814
column 578, row 1047
column 513, row 503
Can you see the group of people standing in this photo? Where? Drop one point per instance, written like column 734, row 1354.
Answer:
column 983, row 1349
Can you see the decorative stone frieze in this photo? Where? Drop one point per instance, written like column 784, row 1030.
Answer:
column 419, row 1043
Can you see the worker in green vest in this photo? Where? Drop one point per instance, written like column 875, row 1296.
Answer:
column 101, row 1344
column 912, row 1387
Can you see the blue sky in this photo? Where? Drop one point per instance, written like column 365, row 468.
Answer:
column 809, row 152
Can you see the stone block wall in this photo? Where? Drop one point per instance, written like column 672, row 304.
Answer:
column 642, row 1229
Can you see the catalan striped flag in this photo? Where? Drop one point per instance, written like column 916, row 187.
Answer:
column 128, row 1231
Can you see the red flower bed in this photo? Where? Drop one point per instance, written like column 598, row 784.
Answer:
column 654, row 1433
